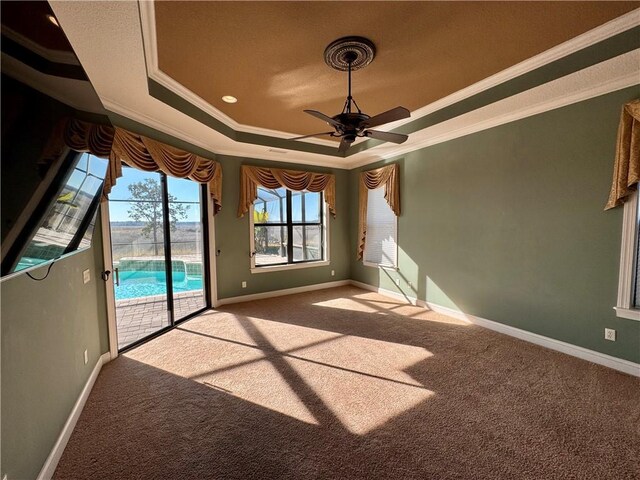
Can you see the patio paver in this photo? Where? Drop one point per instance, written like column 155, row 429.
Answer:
column 138, row 317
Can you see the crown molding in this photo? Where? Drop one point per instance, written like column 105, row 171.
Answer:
column 55, row 87
column 591, row 37
column 598, row 34
column 55, row 56
column 606, row 77
column 257, row 151
column 149, row 38
column 122, row 82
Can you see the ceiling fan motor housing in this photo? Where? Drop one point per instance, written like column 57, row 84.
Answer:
column 352, row 123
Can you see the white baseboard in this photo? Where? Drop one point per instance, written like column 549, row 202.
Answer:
column 388, row 293
column 280, row 293
column 51, row 463
column 619, row 364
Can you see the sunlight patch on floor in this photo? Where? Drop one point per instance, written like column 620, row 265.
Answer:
column 371, row 303
column 365, row 391
column 286, row 337
column 260, row 383
column 347, row 304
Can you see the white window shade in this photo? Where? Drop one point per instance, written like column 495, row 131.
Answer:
column 381, row 246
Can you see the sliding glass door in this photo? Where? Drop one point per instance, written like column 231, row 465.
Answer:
column 158, row 249
column 187, row 246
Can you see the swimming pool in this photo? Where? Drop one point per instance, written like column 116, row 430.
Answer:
column 137, row 284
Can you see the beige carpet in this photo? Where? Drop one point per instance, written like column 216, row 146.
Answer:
column 346, row 384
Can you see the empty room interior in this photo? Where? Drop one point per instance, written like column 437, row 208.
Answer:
column 320, row 240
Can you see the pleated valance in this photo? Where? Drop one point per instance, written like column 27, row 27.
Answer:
column 387, row 176
column 626, row 170
column 252, row 177
column 143, row 153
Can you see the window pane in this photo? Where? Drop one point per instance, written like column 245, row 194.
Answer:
column 305, row 207
column 187, row 252
column 380, row 246
column 137, row 246
column 307, row 243
column 270, row 206
column 67, row 214
column 270, row 245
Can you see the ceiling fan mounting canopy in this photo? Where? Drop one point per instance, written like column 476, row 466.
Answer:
column 348, row 54
column 355, row 51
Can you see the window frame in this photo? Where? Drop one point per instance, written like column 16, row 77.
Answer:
column 625, row 307
column 289, row 224
column 395, row 234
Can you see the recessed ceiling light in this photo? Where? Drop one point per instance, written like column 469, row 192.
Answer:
column 53, row 20
column 229, row 99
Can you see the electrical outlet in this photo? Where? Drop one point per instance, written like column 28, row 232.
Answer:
column 244, row 284
column 86, row 357
column 86, row 276
column 333, row 273
column 398, row 281
column 610, row 334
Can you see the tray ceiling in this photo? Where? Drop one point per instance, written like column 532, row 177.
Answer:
column 270, row 54
column 161, row 68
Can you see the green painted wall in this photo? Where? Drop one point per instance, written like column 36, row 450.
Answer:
column 46, row 326
column 508, row 224
column 232, row 238
column 232, row 233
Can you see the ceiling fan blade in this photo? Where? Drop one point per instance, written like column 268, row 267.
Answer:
column 344, row 145
column 323, row 117
column 387, row 117
column 312, row 135
column 386, row 136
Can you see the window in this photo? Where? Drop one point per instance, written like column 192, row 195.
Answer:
column 279, row 215
column 629, row 283
column 381, row 248
column 68, row 224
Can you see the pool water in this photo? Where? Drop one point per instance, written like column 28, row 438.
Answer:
column 145, row 284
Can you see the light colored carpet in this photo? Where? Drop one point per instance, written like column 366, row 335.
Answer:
column 347, row 384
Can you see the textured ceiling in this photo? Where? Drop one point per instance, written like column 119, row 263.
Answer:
column 270, row 54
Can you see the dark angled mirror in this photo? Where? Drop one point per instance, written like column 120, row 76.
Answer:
column 50, row 194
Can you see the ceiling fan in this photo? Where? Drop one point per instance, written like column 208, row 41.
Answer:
column 353, row 53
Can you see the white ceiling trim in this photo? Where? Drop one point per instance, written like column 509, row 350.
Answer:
column 252, row 151
column 83, row 97
column 602, row 32
column 55, row 56
column 150, row 39
column 605, row 77
column 121, row 82
column 598, row 34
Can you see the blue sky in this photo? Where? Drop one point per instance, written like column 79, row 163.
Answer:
column 273, row 205
column 188, row 191
column 183, row 189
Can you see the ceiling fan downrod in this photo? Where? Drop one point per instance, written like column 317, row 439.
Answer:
column 349, row 57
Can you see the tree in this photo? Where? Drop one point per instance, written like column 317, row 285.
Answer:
column 261, row 237
column 147, row 208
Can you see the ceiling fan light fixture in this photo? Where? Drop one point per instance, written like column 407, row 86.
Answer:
column 229, row 99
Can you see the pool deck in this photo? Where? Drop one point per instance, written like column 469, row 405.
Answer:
column 138, row 317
